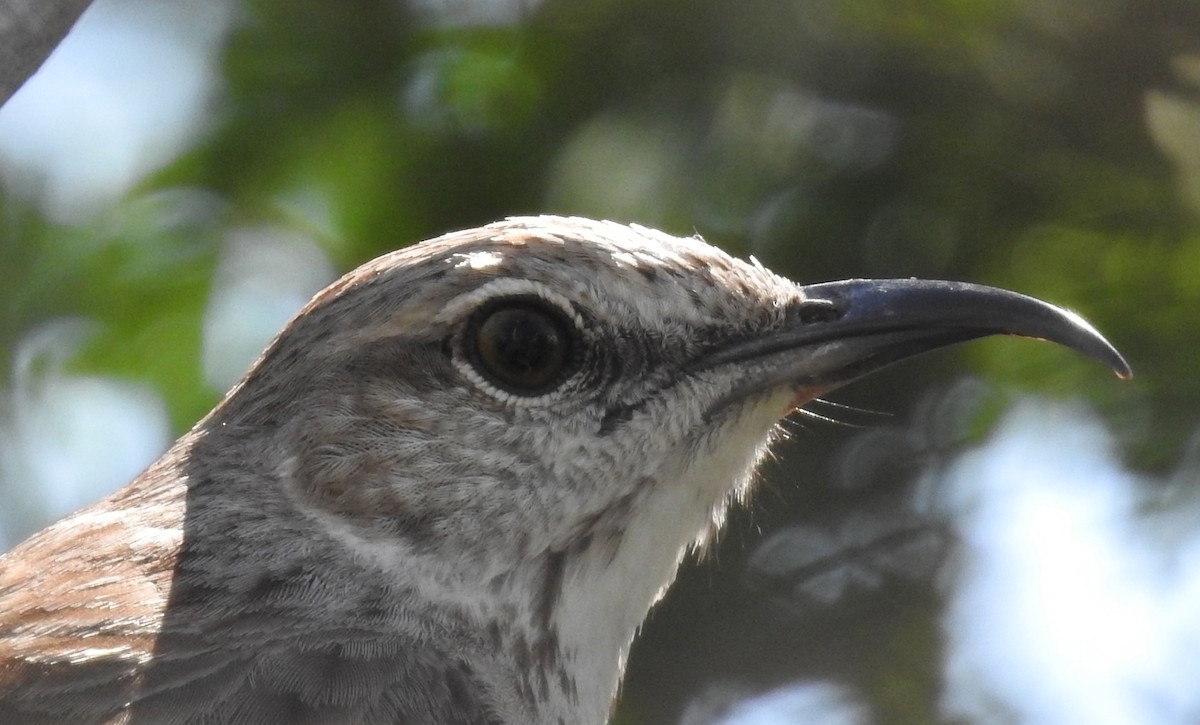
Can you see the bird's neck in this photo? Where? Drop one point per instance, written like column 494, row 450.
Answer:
column 547, row 629
column 607, row 591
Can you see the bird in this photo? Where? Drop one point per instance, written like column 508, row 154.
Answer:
column 452, row 487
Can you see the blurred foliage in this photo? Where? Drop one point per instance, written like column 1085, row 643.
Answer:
column 1001, row 142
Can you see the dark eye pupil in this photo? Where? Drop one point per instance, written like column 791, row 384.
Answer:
column 522, row 347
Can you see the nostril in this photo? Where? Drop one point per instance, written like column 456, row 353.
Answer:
column 812, row 311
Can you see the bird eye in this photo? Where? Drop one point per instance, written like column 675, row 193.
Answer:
column 521, row 346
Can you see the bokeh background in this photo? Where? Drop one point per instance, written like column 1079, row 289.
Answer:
column 1002, row 533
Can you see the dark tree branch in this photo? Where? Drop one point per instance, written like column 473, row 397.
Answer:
column 29, row 31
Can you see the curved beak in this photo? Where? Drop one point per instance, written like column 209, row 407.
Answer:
column 843, row 330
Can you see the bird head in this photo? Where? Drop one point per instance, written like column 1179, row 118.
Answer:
column 453, row 486
column 536, row 418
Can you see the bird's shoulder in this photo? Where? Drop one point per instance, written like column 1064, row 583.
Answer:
column 81, row 601
column 96, row 627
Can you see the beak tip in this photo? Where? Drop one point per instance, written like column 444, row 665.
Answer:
column 1095, row 345
column 1115, row 362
